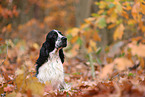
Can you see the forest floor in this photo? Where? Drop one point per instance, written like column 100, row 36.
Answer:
column 18, row 69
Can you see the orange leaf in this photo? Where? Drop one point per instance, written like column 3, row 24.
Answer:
column 118, row 32
column 74, row 50
column 112, row 18
column 137, row 49
column 142, row 63
column 125, row 14
column 111, row 26
column 96, row 37
column 143, row 28
column 89, row 20
column 122, row 63
column 135, row 10
column 108, row 69
column 74, row 39
column 131, row 21
column 9, row 27
column 75, row 31
column 142, row 4
column 1, row 39
column 92, row 46
column 137, row 38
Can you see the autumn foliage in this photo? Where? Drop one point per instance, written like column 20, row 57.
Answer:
column 105, row 55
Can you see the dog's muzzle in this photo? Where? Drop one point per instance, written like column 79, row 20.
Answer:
column 63, row 42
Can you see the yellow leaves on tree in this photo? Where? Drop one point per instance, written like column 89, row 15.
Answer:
column 135, row 11
column 118, row 7
column 102, row 4
column 119, row 32
column 125, row 14
column 112, row 18
column 111, row 26
column 96, row 37
column 75, row 31
column 89, row 20
column 83, row 35
column 92, row 46
column 142, row 5
column 91, row 37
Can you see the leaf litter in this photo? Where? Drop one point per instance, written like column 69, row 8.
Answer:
column 114, row 80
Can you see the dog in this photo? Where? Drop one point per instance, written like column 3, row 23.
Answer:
column 49, row 65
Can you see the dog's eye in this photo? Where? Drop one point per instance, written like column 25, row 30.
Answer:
column 54, row 36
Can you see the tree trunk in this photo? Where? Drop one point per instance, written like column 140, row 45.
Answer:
column 83, row 10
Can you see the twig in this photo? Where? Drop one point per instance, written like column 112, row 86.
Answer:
column 6, row 54
column 92, row 66
column 5, row 58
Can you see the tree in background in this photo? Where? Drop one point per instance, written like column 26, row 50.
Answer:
column 105, row 55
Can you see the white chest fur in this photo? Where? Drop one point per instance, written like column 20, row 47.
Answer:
column 52, row 70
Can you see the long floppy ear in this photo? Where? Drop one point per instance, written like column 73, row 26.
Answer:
column 43, row 56
column 61, row 55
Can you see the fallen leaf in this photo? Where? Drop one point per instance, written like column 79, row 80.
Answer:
column 122, row 63
column 137, row 49
column 9, row 27
column 108, row 69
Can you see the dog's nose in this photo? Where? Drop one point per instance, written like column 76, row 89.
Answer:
column 64, row 39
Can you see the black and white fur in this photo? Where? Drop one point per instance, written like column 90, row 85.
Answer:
column 50, row 62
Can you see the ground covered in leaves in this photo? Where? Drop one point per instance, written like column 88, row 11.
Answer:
column 122, row 77
column 105, row 55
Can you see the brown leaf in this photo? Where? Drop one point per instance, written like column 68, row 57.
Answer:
column 108, row 69
column 35, row 86
column 29, row 93
column 1, row 39
column 122, row 63
column 137, row 49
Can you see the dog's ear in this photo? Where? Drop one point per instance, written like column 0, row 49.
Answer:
column 61, row 55
column 44, row 54
column 44, row 51
column 49, row 36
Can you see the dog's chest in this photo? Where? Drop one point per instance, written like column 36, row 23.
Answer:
column 52, row 70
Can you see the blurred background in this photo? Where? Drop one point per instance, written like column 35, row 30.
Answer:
column 105, row 38
column 30, row 19
column 94, row 28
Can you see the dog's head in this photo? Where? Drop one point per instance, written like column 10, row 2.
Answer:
column 57, row 39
